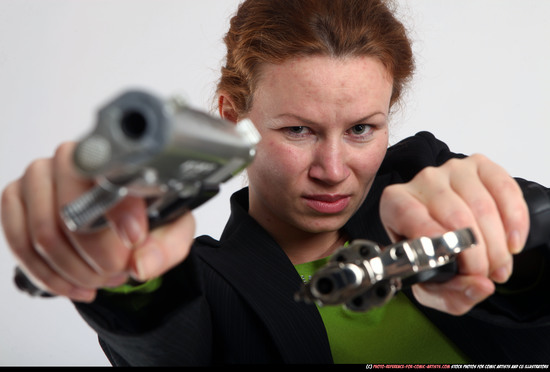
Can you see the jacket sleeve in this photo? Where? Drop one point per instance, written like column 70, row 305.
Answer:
column 409, row 156
column 138, row 329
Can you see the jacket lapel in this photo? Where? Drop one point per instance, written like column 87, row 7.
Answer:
column 260, row 271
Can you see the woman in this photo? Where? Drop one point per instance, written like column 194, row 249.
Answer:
column 318, row 79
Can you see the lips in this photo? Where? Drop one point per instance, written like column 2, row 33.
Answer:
column 327, row 203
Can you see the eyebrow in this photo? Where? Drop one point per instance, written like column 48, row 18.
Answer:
column 311, row 122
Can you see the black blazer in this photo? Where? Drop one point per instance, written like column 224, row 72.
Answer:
column 232, row 301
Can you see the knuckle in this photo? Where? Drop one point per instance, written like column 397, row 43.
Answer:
column 453, row 163
column 9, row 193
column 394, row 202
column 459, row 218
column 9, row 201
column 479, row 158
column 429, row 174
column 112, row 265
column 35, row 167
column 483, row 207
column 390, row 192
column 63, row 150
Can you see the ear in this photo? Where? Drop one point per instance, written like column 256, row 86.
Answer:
column 227, row 108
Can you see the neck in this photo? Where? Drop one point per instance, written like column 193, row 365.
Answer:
column 299, row 245
column 306, row 247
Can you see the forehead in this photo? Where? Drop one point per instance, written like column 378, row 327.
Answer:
column 326, row 81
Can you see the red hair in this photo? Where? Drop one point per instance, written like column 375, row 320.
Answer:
column 273, row 31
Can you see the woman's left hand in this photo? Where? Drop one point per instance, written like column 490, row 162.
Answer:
column 471, row 192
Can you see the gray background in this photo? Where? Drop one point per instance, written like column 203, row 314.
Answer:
column 481, row 86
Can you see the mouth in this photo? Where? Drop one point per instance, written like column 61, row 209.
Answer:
column 327, row 203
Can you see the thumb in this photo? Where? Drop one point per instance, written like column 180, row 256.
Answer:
column 164, row 248
column 455, row 297
column 129, row 219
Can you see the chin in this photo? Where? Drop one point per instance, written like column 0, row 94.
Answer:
column 320, row 225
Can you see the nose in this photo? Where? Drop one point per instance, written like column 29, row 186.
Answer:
column 329, row 164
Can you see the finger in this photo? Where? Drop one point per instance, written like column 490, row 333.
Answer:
column 493, row 196
column 43, row 277
column 164, row 248
column 510, row 202
column 433, row 189
column 490, row 232
column 457, row 296
column 129, row 219
column 13, row 219
column 46, row 236
column 18, row 238
column 104, row 250
column 404, row 216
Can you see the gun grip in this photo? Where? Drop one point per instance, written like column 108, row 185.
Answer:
column 23, row 283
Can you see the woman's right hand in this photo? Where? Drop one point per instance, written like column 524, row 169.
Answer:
column 75, row 265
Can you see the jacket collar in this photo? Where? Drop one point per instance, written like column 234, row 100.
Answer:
column 259, row 270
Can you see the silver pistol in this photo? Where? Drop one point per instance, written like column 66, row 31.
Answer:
column 171, row 155
column 161, row 150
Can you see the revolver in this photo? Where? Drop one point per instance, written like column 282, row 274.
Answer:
column 363, row 275
column 162, row 150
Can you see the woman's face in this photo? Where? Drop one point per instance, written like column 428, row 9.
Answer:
column 324, row 132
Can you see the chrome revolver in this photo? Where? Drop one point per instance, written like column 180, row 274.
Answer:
column 362, row 276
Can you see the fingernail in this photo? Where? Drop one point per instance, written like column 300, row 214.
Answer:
column 82, row 294
column 474, row 294
column 514, row 242
column 130, row 230
column 502, row 274
column 117, row 281
column 148, row 262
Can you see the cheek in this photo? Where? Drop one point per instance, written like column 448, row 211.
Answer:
column 276, row 164
column 367, row 164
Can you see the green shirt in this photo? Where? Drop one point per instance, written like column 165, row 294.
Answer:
column 397, row 333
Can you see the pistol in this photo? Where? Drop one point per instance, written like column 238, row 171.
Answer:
column 162, row 150
column 364, row 275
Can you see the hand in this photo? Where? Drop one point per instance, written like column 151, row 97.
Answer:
column 472, row 192
column 75, row 265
